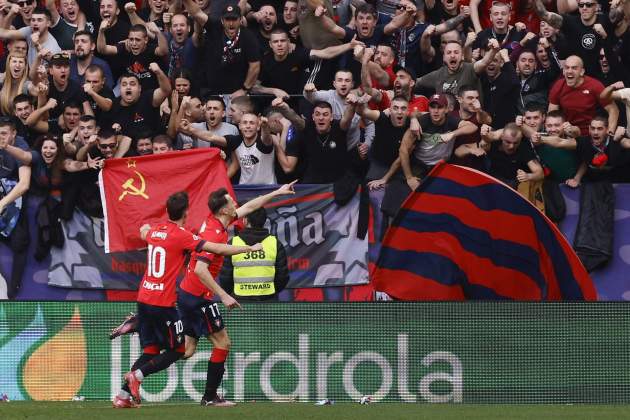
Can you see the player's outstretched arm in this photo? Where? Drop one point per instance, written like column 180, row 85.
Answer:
column 258, row 202
column 227, row 250
column 202, row 271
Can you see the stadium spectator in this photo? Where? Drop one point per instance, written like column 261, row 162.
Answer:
column 84, row 57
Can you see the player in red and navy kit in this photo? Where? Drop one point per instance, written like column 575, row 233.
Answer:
column 158, row 321
column 201, row 317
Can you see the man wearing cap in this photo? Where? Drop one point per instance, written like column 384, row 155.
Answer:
column 418, row 155
column 63, row 89
column 231, row 56
column 36, row 35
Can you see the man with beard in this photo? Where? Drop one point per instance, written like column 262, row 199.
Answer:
column 231, row 52
column 252, row 148
column 336, row 97
column 36, row 35
column 579, row 96
column 115, row 32
column 135, row 109
column 455, row 72
column 501, row 30
column 283, row 72
column 501, row 89
column 263, row 22
column 534, row 82
column 585, row 33
column 404, row 84
column 381, row 70
column 83, row 58
column 136, row 53
column 64, row 26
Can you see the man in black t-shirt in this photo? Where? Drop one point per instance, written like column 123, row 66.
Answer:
column 134, row 110
column 586, row 34
column 284, row 73
column 116, row 30
column 322, row 146
column 512, row 160
column 98, row 94
column 389, row 128
column 231, row 57
column 61, row 88
column 136, row 53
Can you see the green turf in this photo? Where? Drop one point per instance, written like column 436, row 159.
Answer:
column 271, row 411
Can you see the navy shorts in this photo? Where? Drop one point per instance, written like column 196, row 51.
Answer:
column 200, row 316
column 160, row 326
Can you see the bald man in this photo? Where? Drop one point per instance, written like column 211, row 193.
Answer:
column 578, row 96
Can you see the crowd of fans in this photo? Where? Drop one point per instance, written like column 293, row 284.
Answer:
column 378, row 91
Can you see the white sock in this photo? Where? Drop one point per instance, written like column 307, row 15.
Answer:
column 123, row 394
column 139, row 375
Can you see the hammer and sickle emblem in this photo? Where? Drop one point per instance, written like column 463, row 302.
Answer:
column 130, row 188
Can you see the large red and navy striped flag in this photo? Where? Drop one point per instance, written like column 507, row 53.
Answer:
column 465, row 235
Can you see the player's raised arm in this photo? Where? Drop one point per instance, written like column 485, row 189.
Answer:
column 227, row 250
column 258, row 202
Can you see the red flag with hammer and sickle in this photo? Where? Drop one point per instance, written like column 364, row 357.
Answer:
column 134, row 191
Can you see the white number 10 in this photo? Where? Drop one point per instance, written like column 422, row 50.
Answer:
column 156, row 261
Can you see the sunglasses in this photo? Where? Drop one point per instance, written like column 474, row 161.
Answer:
column 24, row 3
column 107, row 146
column 585, row 5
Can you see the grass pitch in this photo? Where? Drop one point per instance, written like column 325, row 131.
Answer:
column 102, row 410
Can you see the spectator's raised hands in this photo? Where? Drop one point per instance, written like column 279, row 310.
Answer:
column 518, row 121
column 520, row 26
column 429, row 31
column 470, row 38
column 154, row 67
column 493, row 44
column 464, row 10
column 599, row 29
column 310, row 88
column 319, row 11
column 486, row 129
column 130, row 7
column 51, row 104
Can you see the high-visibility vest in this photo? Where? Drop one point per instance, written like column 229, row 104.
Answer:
column 254, row 271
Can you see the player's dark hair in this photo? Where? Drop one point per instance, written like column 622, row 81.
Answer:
column 217, row 200
column 176, row 205
column 257, row 218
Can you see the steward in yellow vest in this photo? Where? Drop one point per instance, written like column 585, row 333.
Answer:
column 259, row 275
